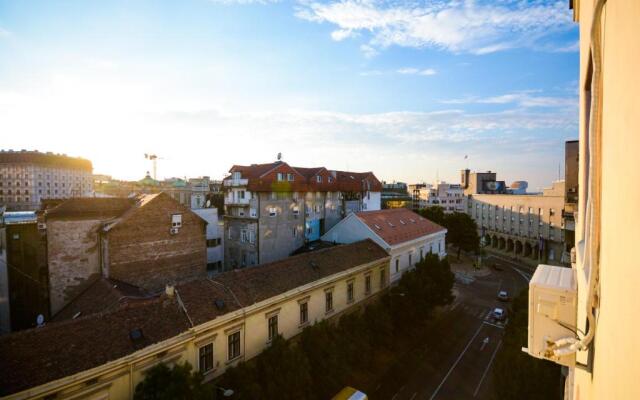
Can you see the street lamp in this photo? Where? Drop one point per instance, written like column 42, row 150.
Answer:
column 225, row 392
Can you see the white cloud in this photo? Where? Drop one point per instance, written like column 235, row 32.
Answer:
column 340, row 34
column 416, row 71
column 524, row 98
column 4, row 33
column 243, row 2
column 480, row 27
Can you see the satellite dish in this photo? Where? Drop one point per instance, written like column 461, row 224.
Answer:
column 40, row 320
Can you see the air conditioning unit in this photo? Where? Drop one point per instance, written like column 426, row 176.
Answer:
column 552, row 312
column 42, row 226
column 174, row 231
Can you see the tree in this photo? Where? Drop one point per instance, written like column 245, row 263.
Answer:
column 462, row 232
column 434, row 214
column 162, row 382
column 518, row 375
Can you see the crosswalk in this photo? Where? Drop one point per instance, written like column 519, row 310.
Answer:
column 481, row 313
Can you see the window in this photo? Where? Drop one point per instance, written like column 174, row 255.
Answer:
column 273, row 327
column 367, row 284
column 349, row 292
column 206, row 358
column 330, row 179
column 296, row 210
column 176, row 220
column 290, row 177
column 280, row 176
column 552, row 212
column 304, row 313
column 273, row 212
column 382, row 278
column 244, row 235
column 328, row 301
column 234, row 345
column 294, row 231
column 236, row 175
column 319, row 179
column 241, row 194
column 397, row 265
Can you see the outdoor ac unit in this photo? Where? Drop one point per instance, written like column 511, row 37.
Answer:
column 174, row 231
column 552, row 312
column 42, row 226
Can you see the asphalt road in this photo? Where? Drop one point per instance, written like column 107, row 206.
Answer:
column 455, row 363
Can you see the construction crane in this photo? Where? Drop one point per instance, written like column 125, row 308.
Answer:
column 154, row 158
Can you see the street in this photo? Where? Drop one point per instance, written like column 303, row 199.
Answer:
column 456, row 360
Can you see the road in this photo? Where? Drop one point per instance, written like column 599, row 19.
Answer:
column 456, row 360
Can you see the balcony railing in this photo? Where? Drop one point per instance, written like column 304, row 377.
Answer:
column 236, row 182
column 230, row 201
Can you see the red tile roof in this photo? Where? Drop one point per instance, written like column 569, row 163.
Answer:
column 91, row 207
column 36, row 356
column 398, row 225
column 263, row 178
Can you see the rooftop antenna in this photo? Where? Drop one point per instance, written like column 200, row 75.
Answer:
column 279, row 156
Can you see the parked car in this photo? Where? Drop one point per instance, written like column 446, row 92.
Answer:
column 499, row 314
column 503, row 295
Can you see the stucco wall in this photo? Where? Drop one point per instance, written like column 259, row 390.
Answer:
column 615, row 353
column 276, row 239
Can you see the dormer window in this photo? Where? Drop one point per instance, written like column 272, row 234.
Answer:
column 280, row 176
column 319, row 179
column 236, row 175
column 330, row 179
column 290, row 177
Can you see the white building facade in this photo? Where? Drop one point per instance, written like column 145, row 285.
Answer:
column 405, row 235
column 215, row 237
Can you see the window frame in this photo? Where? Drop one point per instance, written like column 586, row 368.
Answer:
column 204, row 356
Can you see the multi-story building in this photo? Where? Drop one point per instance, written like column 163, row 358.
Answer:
column 213, row 324
column 529, row 227
column 405, row 235
column 571, row 162
column 27, row 177
column 600, row 347
column 449, row 196
column 481, row 183
column 215, row 239
column 274, row 209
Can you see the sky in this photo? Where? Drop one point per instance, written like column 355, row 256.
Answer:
column 405, row 89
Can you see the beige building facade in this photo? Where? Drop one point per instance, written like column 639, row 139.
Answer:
column 608, row 224
column 528, row 227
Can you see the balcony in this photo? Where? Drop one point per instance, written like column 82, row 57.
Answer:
column 236, row 182
column 230, row 201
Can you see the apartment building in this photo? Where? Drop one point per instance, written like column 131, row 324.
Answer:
column 215, row 239
column 274, row 209
column 405, row 235
column 600, row 351
column 449, row 196
column 211, row 323
column 27, row 177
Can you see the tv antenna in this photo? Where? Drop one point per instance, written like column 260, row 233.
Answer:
column 279, row 156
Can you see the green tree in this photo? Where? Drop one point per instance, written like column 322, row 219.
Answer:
column 162, row 382
column 462, row 232
column 434, row 213
column 518, row 375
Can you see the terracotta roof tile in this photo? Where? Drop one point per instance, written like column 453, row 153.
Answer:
column 91, row 207
column 398, row 225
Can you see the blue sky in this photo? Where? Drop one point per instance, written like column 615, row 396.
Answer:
column 404, row 89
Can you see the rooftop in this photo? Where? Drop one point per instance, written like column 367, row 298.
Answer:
column 398, row 225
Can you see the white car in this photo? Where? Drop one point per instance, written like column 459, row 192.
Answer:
column 499, row 314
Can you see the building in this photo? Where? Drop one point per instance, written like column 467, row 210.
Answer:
column 146, row 241
column 529, row 227
column 395, row 195
column 24, row 284
column 274, row 209
column 481, row 183
column 215, row 238
column 405, row 235
column 27, row 177
column 605, row 272
column 571, row 162
column 449, row 196
column 212, row 323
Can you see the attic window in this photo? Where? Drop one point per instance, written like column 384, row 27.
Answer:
column 377, row 227
column 176, row 220
column 330, row 179
column 319, row 179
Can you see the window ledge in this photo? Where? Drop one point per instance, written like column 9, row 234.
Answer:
column 233, row 360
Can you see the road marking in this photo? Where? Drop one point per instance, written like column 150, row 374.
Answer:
column 489, row 323
column 485, row 342
column 455, row 363
column 488, row 315
column 524, row 276
column 484, row 374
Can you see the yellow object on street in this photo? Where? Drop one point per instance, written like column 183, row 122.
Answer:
column 350, row 393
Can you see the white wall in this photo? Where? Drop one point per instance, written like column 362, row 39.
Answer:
column 351, row 230
column 214, row 231
column 371, row 201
